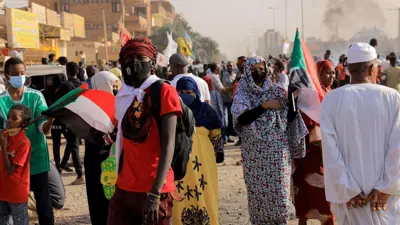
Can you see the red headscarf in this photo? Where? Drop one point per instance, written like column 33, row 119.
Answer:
column 323, row 65
column 138, row 46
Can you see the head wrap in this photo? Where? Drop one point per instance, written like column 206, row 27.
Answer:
column 271, row 124
column 187, row 83
column 323, row 65
column 104, row 81
column 138, row 46
column 249, row 96
column 204, row 114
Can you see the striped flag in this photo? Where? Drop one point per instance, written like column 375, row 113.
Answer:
column 304, row 80
column 88, row 113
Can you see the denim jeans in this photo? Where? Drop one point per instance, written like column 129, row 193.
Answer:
column 18, row 213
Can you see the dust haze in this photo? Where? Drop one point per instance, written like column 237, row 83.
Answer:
column 346, row 17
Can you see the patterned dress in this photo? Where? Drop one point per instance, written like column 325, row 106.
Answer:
column 267, row 173
column 268, row 146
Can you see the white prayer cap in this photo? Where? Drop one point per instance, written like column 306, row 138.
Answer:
column 361, row 52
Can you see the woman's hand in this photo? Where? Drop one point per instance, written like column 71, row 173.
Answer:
column 271, row 104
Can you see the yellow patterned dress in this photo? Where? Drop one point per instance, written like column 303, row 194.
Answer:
column 199, row 188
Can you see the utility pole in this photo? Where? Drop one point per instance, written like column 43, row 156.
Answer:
column 123, row 11
column 286, row 20
column 105, row 35
column 397, row 10
column 273, row 14
column 302, row 18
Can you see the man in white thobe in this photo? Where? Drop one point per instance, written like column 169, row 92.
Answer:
column 178, row 65
column 360, row 125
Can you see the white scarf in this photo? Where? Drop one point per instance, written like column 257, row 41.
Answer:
column 123, row 100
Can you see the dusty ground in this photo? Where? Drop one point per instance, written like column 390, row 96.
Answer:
column 233, row 201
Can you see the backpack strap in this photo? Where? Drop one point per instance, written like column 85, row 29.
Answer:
column 155, row 97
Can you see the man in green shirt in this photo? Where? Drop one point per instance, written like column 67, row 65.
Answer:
column 14, row 70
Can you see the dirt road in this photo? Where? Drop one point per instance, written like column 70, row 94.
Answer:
column 232, row 190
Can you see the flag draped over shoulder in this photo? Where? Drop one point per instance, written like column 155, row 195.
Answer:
column 304, row 80
column 88, row 113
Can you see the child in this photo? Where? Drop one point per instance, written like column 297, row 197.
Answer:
column 14, row 167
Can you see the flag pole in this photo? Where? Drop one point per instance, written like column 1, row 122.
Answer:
column 105, row 34
column 302, row 18
column 123, row 12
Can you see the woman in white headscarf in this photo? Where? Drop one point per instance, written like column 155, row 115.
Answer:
column 95, row 155
column 105, row 81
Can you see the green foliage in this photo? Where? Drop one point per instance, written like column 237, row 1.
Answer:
column 204, row 48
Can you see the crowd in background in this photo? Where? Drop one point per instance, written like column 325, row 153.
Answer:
column 247, row 98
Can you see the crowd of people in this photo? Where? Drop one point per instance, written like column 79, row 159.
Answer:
column 342, row 169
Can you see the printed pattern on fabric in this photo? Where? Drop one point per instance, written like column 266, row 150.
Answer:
column 199, row 188
column 267, row 174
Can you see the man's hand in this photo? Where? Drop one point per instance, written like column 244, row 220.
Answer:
column 150, row 211
column 359, row 201
column 378, row 200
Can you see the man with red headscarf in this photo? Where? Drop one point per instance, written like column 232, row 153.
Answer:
column 145, row 180
column 310, row 201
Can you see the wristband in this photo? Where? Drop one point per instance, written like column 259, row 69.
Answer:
column 154, row 195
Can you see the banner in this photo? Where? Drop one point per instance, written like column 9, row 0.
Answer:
column 79, row 26
column 183, row 48
column 172, row 46
column 162, row 60
column 124, row 35
column 188, row 40
column 22, row 29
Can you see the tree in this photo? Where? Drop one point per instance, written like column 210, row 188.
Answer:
column 204, row 48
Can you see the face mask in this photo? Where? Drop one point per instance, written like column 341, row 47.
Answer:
column 258, row 76
column 115, row 92
column 17, row 81
column 187, row 99
column 136, row 72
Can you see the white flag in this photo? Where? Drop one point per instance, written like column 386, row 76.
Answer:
column 286, row 46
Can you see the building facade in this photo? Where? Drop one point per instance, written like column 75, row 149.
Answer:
column 137, row 18
column 162, row 12
column 271, row 43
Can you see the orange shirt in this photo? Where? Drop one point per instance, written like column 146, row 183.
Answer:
column 207, row 78
column 340, row 69
column 15, row 188
column 140, row 161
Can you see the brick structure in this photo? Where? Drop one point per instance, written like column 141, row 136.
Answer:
column 137, row 20
column 163, row 12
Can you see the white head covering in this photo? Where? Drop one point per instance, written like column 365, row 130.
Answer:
column 361, row 52
column 104, row 81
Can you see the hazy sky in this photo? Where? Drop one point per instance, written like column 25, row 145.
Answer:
column 231, row 22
